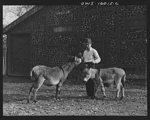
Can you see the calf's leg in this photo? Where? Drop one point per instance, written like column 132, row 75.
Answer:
column 122, row 92
column 31, row 89
column 122, row 86
column 118, row 83
column 36, row 87
column 58, row 90
column 102, row 87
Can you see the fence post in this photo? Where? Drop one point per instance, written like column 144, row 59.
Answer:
column 4, row 58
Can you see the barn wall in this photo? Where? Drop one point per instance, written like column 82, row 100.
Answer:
column 118, row 33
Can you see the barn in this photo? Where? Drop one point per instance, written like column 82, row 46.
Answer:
column 48, row 35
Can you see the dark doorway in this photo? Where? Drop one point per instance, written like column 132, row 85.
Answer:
column 19, row 54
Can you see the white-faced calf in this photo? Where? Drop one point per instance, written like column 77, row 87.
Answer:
column 107, row 77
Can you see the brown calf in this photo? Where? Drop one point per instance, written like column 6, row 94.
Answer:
column 108, row 76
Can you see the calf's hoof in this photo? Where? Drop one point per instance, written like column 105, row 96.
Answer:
column 58, row 99
column 93, row 97
column 104, row 96
column 35, row 101
column 118, row 98
column 121, row 97
column 28, row 101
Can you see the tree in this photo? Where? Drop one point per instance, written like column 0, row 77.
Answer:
column 20, row 10
column 12, row 12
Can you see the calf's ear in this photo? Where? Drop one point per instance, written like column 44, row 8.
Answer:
column 71, row 59
column 77, row 59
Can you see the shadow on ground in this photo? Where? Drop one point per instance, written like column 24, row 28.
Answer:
column 10, row 79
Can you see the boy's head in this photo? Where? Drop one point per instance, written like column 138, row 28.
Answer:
column 88, row 43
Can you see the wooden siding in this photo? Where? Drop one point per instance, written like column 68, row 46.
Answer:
column 118, row 33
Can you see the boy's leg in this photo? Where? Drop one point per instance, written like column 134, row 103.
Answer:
column 90, row 88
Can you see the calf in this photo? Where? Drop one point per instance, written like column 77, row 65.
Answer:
column 107, row 77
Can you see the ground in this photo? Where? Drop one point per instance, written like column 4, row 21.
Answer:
column 74, row 100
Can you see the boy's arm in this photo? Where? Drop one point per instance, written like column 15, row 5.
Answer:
column 96, row 57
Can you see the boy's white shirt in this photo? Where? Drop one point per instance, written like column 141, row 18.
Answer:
column 88, row 56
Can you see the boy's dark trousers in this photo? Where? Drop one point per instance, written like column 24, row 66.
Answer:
column 92, row 84
column 91, row 87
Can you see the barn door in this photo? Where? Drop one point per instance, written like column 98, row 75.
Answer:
column 20, row 54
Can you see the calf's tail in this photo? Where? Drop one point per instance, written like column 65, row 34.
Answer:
column 32, row 75
column 123, row 79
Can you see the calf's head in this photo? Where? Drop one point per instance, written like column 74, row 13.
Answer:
column 75, row 59
column 86, row 75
